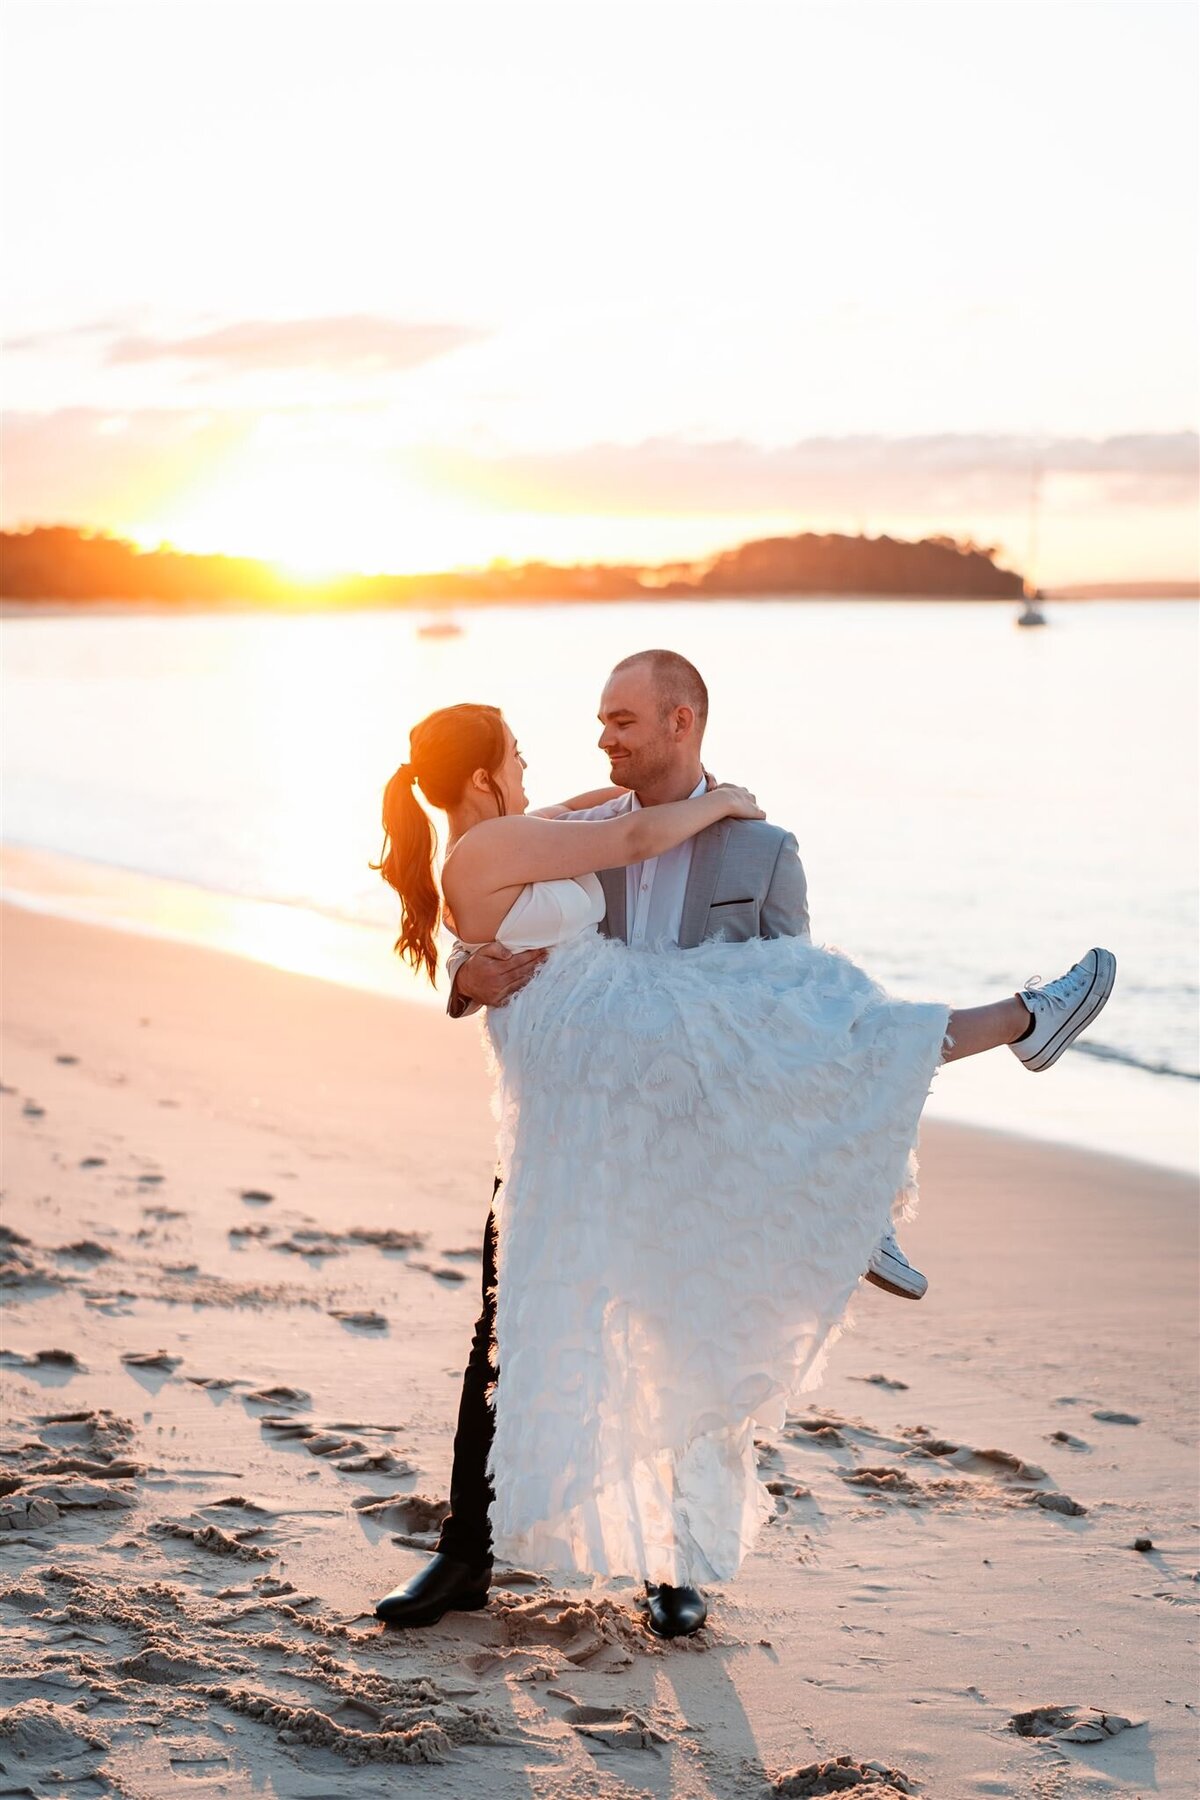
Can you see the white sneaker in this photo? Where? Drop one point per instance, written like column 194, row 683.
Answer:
column 890, row 1269
column 1064, row 1008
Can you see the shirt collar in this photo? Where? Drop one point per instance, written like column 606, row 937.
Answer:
column 701, row 787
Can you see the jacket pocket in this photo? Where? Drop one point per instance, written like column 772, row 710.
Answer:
column 734, row 920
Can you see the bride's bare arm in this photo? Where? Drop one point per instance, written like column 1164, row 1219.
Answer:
column 507, row 853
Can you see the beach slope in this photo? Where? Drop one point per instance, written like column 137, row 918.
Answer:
column 242, row 1216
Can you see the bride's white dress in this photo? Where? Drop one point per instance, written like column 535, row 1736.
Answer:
column 700, row 1150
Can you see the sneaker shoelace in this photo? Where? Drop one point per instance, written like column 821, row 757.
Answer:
column 1064, row 984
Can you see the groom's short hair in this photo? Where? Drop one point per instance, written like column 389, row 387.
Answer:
column 677, row 682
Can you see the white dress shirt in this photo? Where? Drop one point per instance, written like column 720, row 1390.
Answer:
column 655, row 889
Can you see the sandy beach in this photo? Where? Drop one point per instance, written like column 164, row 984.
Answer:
column 242, row 1215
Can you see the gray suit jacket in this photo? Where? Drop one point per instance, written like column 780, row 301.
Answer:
column 746, row 881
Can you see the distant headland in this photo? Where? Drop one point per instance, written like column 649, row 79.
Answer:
column 64, row 565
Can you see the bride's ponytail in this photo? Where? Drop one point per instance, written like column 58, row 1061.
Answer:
column 445, row 750
column 407, row 866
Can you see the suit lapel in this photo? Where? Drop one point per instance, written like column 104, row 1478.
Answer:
column 615, row 923
column 708, row 853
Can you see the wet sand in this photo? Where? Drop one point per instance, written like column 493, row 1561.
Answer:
column 242, row 1215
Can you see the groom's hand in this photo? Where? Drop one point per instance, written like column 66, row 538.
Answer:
column 492, row 975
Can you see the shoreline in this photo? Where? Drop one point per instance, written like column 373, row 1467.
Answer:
column 247, row 1208
column 1088, row 1103
column 124, row 609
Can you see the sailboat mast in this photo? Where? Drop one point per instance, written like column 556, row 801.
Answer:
column 1035, row 497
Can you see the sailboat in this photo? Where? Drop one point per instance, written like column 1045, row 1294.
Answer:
column 1031, row 612
column 442, row 625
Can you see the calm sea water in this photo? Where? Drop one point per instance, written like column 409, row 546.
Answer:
column 974, row 804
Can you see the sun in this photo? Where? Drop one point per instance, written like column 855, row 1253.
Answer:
column 316, row 516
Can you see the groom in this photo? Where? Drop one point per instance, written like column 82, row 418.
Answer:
column 739, row 879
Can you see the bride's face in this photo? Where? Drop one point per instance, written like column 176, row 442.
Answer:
column 510, row 776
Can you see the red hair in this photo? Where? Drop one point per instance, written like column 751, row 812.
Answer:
column 444, row 752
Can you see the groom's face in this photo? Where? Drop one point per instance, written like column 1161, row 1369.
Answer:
column 637, row 738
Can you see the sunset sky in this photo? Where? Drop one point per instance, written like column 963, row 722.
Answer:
column 409, row 287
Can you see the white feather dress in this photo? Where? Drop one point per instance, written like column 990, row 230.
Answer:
column 700, row 1150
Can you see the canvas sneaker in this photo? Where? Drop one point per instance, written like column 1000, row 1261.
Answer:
column 890, row 1269
column 1062, row 1009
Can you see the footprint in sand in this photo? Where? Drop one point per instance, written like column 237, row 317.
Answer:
column 220, row 1543
column 590, row 1633
column 279, row 1396
column 150, row 1359
column 104, row 1435
column 1069, row 1442
column 439, row 1274
column 349, row 1455
column 402, row 1512
column 32, row 1110
column 41, row 1359
column 389, row 1239
column 820, row 1431
column 1071, row 1724
column 78, row 1463
column 815, row 1780
column 883, row 1381
column 34, row 1502
column 970, row 1460
column 363, row 1321
column 311, row 1243
column 1056, row 1503
column 883, row 1480
column 256, row 1197
column 87, row 1249
column 614, row 1728
column 376, row 1462
column 67, row 1061
column 52, row 1745
column 147, row 1638
column 94, row 1162
column 1116, row 1418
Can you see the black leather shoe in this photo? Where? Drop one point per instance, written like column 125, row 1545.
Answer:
column 442, row 1586
column 675, row 1611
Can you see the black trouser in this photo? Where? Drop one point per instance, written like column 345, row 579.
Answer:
column 466, row 1532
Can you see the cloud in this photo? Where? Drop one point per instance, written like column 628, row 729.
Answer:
column 352, row 343
column 955, row 473
column 82, row 465
column 89, row 465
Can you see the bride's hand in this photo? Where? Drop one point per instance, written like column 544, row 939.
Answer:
column 739, row 802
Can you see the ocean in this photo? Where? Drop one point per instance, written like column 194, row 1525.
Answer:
column 974, row 804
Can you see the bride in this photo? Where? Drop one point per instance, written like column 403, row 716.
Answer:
column 700, row 1149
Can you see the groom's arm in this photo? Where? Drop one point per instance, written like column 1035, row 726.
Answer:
column 487, row 977
column 784, row 912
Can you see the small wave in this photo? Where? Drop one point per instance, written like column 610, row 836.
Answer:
column 1107, row 1053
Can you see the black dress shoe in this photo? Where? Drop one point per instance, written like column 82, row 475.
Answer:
column 442, row 1586
column 674, row 1611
